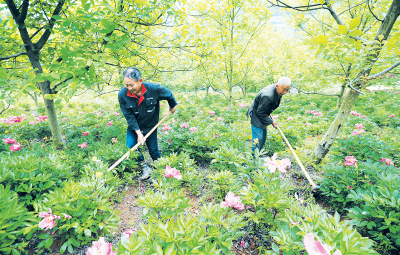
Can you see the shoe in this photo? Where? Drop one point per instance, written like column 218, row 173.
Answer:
column 146, row 170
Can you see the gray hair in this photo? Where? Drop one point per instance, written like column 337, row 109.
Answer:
column 284, row 81
column 133, row 73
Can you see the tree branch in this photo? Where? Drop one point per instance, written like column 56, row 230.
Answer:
column 352, row 7
column 384, row 71
column 42, row 41
column 24, row 11
column 21, row 52
column 318, row 93
column 370, row 10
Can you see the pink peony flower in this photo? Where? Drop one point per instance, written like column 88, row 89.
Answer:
column 219, row 118
column 363, row 116
column 274, row 164
column 116, row 113
column 308, row 111
column 387, row 161
column 172, row 172
column 391, row 116
column 290, row 118
column 64, row 119
column 350, row 160
column 110, row 123
column 358, row 132
column 104, row 110
column 85, row 133
column 349, row 187
column 192, row 129
column 359, row 126
column 48, row 220
column 201, row 112
column 99, row 114
column 80, row 112
column 9, row 140
column 127, row 233
column 114, row 140
column 15, row 147
column 32, row 122
column 308, row 124
column 185, row 125
column 242, row 244
column 275, row 117
column 169, row 141
column 292, row 222
column 232, row 201
column 66, row 216
column 314, row 112
column 101, row 247
column 83, row 145
column 211, row 113
column 287, row 100
column 316, row 247
column 216, row 135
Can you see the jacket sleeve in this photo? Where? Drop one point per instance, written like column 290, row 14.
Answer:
column 166, row 94
column 263, row 110
column 130, row 118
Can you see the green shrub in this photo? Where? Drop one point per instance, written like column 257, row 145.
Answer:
column 16, row 223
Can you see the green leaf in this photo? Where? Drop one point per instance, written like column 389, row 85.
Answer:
column 354, row 23
column 48, row 243
column 275, row 248
column 63, row 247
column 170, row 249
column 355, row 33
column 342, row 29
column 322, row 39
column 3, row 74
column 88, row 232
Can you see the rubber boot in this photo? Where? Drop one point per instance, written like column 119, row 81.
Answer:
column 146, row 170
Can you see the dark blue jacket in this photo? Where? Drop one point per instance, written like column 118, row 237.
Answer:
column 143, row 113
column 266, row 101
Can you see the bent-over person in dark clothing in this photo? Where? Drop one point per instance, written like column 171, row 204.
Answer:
column 266, row 101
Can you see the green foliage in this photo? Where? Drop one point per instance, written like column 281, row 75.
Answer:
column 212, row 232
column 226, row 158
column 32, row 177
column 223, row 182
column 16, row 222
column 163, row 205
column 340, row 235
column 267, row 196
column 88, row 204
column 377, row 214
column 363, row 147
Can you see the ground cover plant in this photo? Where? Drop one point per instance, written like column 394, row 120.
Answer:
column 68, row 198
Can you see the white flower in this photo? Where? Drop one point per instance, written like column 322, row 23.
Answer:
column 364, row 213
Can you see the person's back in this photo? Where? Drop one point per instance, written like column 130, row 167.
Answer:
column 266, row 101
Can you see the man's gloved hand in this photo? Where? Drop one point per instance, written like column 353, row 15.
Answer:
column 274, row 124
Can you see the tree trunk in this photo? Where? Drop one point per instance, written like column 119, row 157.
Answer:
column 325, row 144
column 340, row 97
column 49, row 104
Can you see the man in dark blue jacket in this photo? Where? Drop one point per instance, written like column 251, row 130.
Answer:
column 266, row 101
column 139, row 102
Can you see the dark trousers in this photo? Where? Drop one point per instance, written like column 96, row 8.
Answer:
column 151, row 142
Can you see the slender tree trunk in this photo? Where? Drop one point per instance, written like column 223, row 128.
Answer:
column 49, row 104
column 384, row 30
column 325, row 144
column 340, row 97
